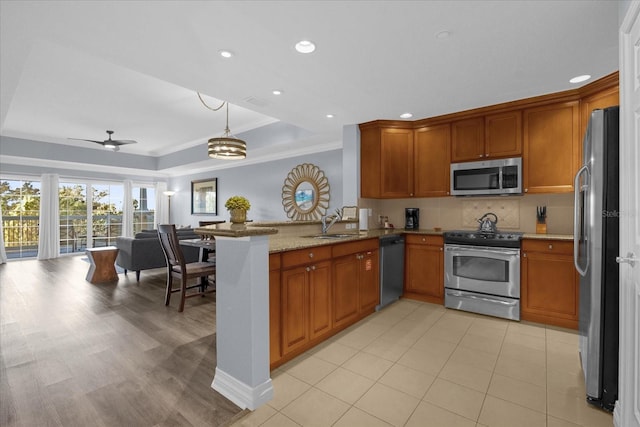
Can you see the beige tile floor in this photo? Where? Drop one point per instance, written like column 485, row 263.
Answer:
column 417, row 364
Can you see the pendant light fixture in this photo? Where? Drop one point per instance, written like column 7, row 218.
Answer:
column 226, row 146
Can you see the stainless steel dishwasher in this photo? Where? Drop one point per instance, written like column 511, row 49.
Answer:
column 391, row 269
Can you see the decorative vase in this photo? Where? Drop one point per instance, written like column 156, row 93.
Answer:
column 238, row 216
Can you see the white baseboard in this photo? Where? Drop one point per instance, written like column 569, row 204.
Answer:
column 243, row 395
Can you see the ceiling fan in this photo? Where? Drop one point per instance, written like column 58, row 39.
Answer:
column 112, row 144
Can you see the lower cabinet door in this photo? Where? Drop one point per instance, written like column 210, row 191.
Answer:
column 295, row 309
column 369, row 284
column 424, row 278
column 345, row 289
column 319, row 299
column 549, row 284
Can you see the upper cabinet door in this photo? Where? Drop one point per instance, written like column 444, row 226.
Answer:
column 396, row 158
column 467, row 140
column 551, row 147
column 487, row 137
column 386, row 162
column 503, row 135
column 431, row 153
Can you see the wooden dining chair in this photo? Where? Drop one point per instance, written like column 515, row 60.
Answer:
column 177, row 268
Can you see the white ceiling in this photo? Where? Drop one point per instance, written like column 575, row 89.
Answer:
column 75, row 69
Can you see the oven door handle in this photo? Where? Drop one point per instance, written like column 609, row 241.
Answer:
column 485, row 299
column 484, row 250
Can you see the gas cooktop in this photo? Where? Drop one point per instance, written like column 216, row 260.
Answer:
column 479, row 238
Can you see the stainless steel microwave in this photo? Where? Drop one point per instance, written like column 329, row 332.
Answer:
column 487, row 178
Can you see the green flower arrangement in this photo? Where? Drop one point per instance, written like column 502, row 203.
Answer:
column 237, row 202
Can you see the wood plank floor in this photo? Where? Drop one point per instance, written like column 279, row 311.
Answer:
column 77, row 354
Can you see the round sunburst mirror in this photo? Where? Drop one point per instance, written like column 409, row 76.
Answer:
column 305, row 193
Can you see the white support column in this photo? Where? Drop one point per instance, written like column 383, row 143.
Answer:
column 242, row 320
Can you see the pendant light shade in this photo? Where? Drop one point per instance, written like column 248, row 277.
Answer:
column 227, row 146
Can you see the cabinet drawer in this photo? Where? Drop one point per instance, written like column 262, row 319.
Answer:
column 342, row 249
column 549, row 246
column 423, row 239
column 305, row 256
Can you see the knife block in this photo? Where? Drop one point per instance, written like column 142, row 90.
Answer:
column 541, row 228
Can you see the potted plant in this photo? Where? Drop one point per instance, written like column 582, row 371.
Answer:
column 238, row 207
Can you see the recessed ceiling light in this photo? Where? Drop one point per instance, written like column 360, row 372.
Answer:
column 406, row 115
column 443, row 34
column 329, row 116
column 580, row 79
column 277, row 92
column 305, row 46
column 225, row 53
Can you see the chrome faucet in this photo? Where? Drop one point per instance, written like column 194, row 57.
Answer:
column 337, row 216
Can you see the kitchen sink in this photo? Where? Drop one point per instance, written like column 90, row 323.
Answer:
column 330, row 236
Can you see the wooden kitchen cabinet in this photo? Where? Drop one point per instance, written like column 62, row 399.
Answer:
column 275, row 352
column 386, row 162
column 489, row 137
column 356, row 282
column 607, row 97
column 503, row 135
column 424, row 268
column 305, row 297
column 431, row 161
column 551, row 154
column 549, row 286
column 467, row 140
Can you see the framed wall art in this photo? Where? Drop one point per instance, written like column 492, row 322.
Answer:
column 204, row 197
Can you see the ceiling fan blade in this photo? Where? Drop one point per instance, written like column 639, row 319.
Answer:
column 122, row 141
column 90, row 140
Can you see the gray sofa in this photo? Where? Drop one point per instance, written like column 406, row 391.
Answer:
column 144, row 252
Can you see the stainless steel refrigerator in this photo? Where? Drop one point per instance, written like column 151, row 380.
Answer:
column 596, row 236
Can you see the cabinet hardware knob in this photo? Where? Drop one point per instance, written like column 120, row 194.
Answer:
column 526, row 190
column 313, row 267
column 308, row 269
column 424, row 240
column 550, row 246
column 481, row 155
column 310, row 254
column 524, row 255
column 441, row 249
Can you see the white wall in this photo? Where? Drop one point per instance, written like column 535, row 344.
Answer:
column 351, row 164
column 260, row 183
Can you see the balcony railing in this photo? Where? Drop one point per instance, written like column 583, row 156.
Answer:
column 21, row 233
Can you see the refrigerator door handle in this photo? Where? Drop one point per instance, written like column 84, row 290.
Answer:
column 577, row 221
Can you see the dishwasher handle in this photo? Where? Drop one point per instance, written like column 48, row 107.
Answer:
column 391, row 241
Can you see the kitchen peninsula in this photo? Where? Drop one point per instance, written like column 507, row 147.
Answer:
column 242, row 315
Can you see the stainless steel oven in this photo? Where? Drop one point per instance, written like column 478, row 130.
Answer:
column 482, row 277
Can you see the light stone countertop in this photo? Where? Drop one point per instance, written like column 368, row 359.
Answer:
column 285, row 242
column 234, row 230
column 567, row 237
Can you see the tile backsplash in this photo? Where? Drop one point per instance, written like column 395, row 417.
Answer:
column 517, row 213
column 506, row 209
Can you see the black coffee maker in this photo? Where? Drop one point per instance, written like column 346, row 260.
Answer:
column 411, row 218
